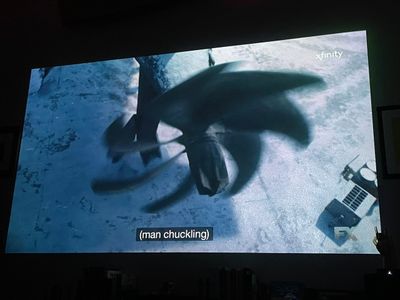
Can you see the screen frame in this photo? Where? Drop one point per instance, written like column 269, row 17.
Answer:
column 214, row 251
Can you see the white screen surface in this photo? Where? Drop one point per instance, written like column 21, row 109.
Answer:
column 298, row 152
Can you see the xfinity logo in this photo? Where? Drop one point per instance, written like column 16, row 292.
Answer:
column 329, row 55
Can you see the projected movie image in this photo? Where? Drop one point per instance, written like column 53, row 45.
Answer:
column 264, row 147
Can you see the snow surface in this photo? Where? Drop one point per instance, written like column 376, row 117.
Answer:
column 280, row 210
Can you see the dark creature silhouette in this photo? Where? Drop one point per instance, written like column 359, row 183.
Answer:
column 222, row 105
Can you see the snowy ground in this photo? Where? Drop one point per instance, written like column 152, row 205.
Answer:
column 55, row 210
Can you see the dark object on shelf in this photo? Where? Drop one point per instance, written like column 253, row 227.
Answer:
column 237, row 284
column 100, row 283
column 314, row 294
column 283, row 290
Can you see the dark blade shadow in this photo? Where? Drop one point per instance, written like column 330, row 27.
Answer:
column 106, row 185
column 183, row 190
column 246, row 152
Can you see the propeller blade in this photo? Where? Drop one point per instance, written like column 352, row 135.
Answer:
column 245, row 149
column 278, row 114
column 106, row 185
column 215, row 95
